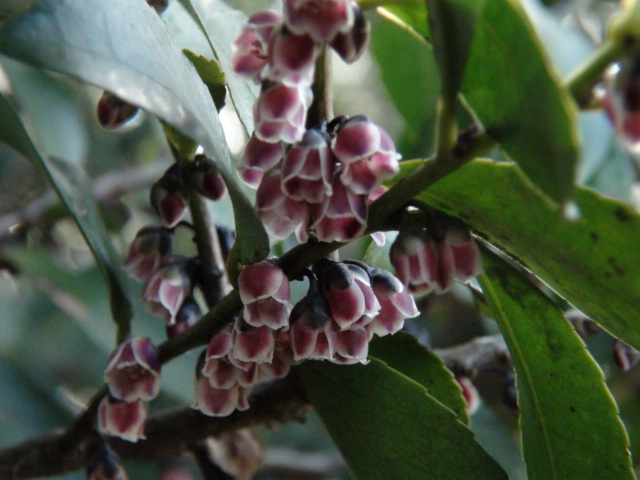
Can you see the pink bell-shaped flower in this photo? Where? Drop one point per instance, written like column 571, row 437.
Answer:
column 342, row 216
column 367, row 154
column 396, row 304
column 148, row 251
column 257, row 158
column 133, row 371
column 352, row 44
column 291, row 58
column 122, row 419
column 216, row 402
column 351, row 346
column 280, row 113
column 249, row 49
column 307, row 170
column 252, row 344
column 265, row 293
column 165, row 291
column 280, row 214
column 350, row 296
column 320, row 19
column 308, row 319
column 414, row 256
column 466, row 254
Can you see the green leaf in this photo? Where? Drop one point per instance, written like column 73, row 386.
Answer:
column 211, row 74
column 402, row 352
column 452, row 24
column 592, row 262
column 388, row 427
column 519, row 99
column 72, row 186
column 570, row 423
column 513, row 89
column 220, row 24
column 124, row 47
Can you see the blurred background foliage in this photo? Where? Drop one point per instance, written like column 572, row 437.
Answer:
column 55, row 321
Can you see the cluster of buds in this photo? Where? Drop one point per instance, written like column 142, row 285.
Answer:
column 430, row 259
column 346, row 305
column 319, row 180
column 133, row 378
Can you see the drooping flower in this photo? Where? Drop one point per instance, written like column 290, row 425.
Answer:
column 265, row 292
column 414, row 256
column 466, row 254
column 133, row 370
column 122, row 419
column 257, row 158
column 367, row 154
column 307, row 169
column 218, row 402
column 280, row 113
column 114, row 112
column 308, row 319
column 207, row 178
column 321, row 19
column 252, row 344
column 167, row 199
column 148, row 251
column 352, row 44
column 280, row 214
column 396, row 304
column 166, row 290
column 291, row 59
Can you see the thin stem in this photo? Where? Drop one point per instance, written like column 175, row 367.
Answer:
column 209, row 252
column 580, row 82
column 321, row 110
column 447, row 134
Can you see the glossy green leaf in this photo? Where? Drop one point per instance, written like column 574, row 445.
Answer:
column 402, row 352
column 221, row 24
column 144, row 67
column 452, row 25
column 211, row 74
column 388, row 427
column 73, row 187
column 593, row 262
column 570, row 423
column 522, row 104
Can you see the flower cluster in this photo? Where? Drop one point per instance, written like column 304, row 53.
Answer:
column 346, row 305
column 133, row 378
column 430, row 259
column 322, row 179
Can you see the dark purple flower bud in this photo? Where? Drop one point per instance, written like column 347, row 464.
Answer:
column 265, row 292
column 466, row 254
column 133, row 370
column 167, row 199
column 626, row 357
column 216, row 402
column 148, row 251
column 396, row 304
column 280, row 113
column 307, row 170
column 280, row 214
column 291, row 58
column 122, row 419
column 113, row 112
column 367, row 154
column 165, row 291
column 207, row 178
column 257, row 158
column 187, row 316
column 321, row 19
column 252, row 344
column 341, row 217
column 414, row 256
column 348, row 291
column 352, row 44
column 158, row 5
column 248, row 50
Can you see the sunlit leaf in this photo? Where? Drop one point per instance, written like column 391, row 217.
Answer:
column 570, row 423
column 388, row 427
column 403, row 353
column 143, row 67
column 593, row 261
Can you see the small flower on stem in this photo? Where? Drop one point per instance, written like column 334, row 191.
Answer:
column 133, row 370
column 166, row 290
column 113, row 112
column 280, row 214
column 414, row 256
column 252, row 344
column 280, row 113
column 396, row 304
column 291, row 58
column 167, row 198
column 207, row 179
column 352, row 44
column 122, row 419
column 265, row 292
column 321, row 19
column 148, row 251
column 218, row 402
column 257, row 158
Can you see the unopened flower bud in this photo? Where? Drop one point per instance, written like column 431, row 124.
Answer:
column 207, row 178
column 148, row 251
column 396, row 304
column 113, row 112
column 187, row 316
column 470, row 394
column 257, row 158
column 626, row 357
column 167, row 199
column 352, row 44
